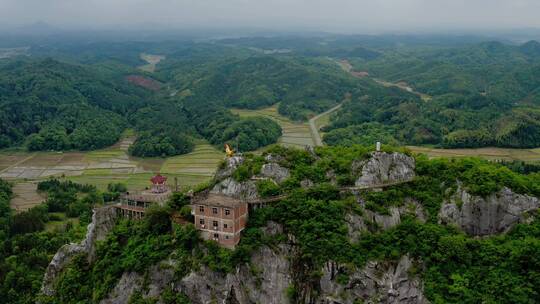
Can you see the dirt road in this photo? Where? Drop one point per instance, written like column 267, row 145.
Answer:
column 317, row 140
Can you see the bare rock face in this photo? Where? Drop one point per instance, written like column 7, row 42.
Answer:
column 103, row 220
column 160, row 276
column 377, row 282
column 242, row 190
column 128, row 284
column 231, row 163
column 371, row 221
column 384, row 168
column 272, row 158
column 275, row 172
column 265, row 282
column 494, row 214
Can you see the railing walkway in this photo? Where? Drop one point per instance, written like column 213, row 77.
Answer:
column 352, row 188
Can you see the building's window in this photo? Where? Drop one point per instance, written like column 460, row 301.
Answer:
column 201, row 221
column 215, row 223
column 214, row 210
column 216, row 236
column 227, row 212
column 201, row 208
column 226, row 237
column 225, row 226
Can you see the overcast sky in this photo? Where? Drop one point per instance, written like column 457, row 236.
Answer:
column 328, row 15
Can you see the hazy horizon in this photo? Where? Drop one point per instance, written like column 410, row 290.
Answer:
column 339, row 16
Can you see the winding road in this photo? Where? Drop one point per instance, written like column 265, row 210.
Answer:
column 317, row 140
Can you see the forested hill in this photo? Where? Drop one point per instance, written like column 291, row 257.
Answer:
column 47, row 104
column 65, row 106
column 302, row 86
column 487, row 94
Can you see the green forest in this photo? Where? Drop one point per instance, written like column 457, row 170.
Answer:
column 27, row 245
column 484, row 94
column 479, row 94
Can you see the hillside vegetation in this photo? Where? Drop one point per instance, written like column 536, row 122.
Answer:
column 483, row 95
column 315, row 222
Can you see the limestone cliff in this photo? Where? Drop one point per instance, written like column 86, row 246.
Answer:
column 479, row 216
column 372, row 221
column 384, row 168
column 103, row 220
column 377, row 282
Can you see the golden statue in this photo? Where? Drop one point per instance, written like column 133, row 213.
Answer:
column 229, row 151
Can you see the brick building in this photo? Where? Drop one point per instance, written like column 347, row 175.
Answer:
column 220, row 218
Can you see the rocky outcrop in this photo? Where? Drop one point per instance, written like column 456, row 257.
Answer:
column 384, row 168
column 230, row 187
column 159, row 277
column 494, row 214
column 372, row 221
column 231, row 163
column 275, row 172
column 377, row 282
column 264, row 280
column 103, row 220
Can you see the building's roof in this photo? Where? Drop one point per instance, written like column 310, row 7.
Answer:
column 158, row 179
column 218, row 200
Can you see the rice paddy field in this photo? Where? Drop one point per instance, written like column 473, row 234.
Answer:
column 295, row 134
column 102, row 167
column 528, row 155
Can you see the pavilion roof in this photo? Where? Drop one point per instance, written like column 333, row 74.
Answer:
column 158, row 179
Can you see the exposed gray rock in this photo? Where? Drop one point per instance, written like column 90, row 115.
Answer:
column 384, row 168
column 356, row 224
column 306, row 183
column 273, row 158
column 128, row 284
column 272, row 228
column 230, row 187
column 377, row 282
column 331, row 176
column 160, row 277
column 496, row 213
column 265, row 282
column 103, row 220
column 231, row 163
column 275, row 172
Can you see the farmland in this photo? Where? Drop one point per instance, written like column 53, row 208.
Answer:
column 528, row 155
column 152, row 60
column 295, row 134
column 102, row 167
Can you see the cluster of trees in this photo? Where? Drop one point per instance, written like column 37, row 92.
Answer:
column 26, row 248
column 62, row 106
column 150, row 144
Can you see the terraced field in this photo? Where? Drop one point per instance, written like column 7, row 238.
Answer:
column 529, row 155
column 294, row 134
column 25, row 196
column 112, row 164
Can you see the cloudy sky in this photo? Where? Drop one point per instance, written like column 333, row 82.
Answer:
column 328, row 15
